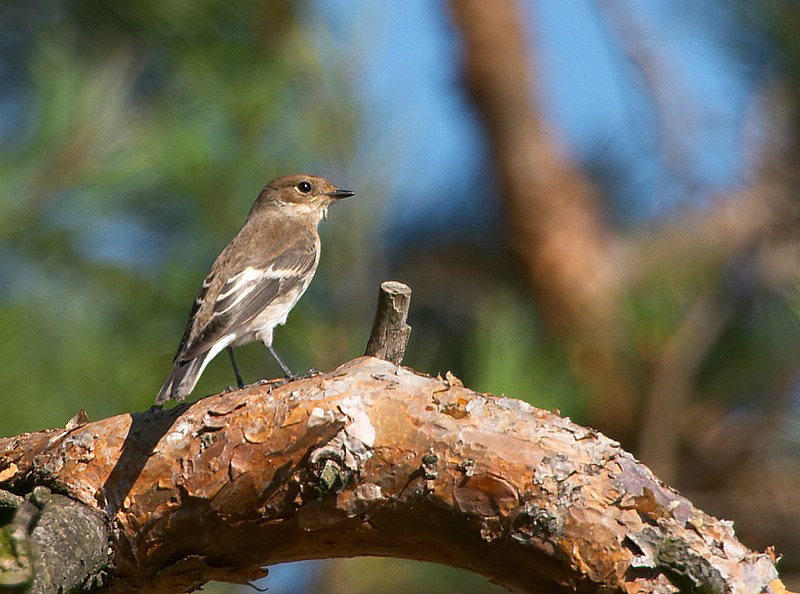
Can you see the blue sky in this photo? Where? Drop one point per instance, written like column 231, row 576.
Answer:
column 405, row 60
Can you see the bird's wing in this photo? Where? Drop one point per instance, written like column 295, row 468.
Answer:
column 187, row 333
column 248, row 291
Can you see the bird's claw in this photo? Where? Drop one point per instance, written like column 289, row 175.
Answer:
column 310, row 373
column 277, row 383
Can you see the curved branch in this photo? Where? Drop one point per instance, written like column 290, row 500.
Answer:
column 375, row 459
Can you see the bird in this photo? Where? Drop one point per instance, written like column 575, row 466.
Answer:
column 256, row 280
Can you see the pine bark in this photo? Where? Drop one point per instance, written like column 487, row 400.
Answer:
column 375, row 459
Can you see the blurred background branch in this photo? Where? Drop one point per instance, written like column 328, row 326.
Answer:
column 574, row 263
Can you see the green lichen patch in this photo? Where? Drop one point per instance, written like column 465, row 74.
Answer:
column 16, row 568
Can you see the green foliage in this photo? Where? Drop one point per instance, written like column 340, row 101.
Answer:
column 512, row 354
column 145, row 132
column 397, row 576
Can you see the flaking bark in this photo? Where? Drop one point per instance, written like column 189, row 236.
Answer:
column 375, row 459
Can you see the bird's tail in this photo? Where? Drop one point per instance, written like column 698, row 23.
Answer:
column 182, row 379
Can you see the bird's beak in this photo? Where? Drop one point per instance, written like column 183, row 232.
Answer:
column 338, row 194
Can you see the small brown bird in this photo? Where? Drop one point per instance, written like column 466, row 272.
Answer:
column 256, row 280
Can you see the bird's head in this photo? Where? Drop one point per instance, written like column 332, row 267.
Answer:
column 301, row 193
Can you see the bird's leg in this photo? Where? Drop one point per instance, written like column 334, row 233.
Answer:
column 235, row 368
column 286, row 371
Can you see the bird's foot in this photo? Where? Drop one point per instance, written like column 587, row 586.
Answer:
column 275, row 383
column 298, row 376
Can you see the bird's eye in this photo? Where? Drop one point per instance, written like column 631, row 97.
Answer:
column 304, row 187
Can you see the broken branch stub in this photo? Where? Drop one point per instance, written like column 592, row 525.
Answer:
column 390, row 332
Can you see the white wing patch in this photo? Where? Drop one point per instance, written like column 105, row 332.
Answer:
column 255, row 300
column 237, row 288
column 241, row 284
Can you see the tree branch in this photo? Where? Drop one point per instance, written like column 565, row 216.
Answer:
column 374, row 459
